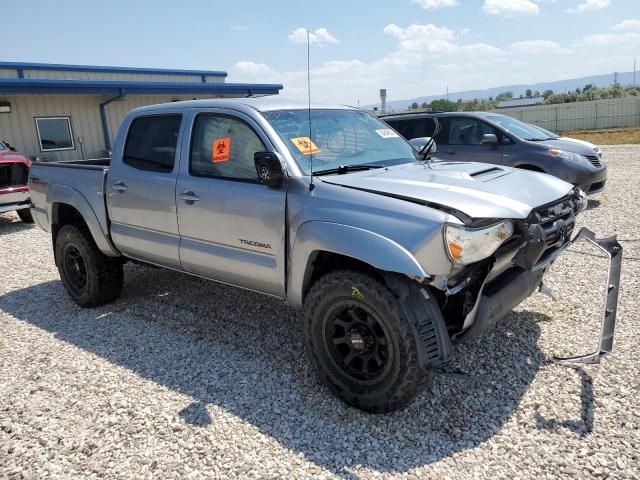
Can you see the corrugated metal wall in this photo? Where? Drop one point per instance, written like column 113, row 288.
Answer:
column 19, row 128
column 622, row 112
column 111, row 76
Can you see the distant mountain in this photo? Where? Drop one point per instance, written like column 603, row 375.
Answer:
column 560, row 86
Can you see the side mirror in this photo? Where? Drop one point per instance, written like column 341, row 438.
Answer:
column 489, row 139
column 268, row 168
column 420, row 142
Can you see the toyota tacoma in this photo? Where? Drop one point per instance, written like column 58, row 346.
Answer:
column 392, row 255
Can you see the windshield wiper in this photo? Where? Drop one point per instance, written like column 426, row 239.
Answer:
column 342, row 169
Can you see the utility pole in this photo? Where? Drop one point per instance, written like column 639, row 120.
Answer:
column 615, row 78
column 634, row 72
column 447, row 92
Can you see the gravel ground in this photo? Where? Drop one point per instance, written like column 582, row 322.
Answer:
column 182, row 378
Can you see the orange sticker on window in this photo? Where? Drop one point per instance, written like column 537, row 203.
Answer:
column 221, row 148
column 305, row 145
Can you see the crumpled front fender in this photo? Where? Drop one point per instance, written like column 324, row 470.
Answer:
column 376, row 250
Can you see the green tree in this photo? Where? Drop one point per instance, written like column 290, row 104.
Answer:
column 504, row 96
column 528, row 93
column 443, row 105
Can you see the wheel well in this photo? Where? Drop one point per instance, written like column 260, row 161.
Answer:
column 63, row 214
column 532, row 168
column 323, row 262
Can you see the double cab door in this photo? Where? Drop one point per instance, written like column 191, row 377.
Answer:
column 208, row 215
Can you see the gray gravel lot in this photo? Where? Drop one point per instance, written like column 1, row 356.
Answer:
column 182, row 378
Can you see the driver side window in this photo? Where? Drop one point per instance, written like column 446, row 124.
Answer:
column 469, row 131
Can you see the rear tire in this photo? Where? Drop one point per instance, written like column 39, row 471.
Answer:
column 25, row 215
column 90, row 277
column 360, row 341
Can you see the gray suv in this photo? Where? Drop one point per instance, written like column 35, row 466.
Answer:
column 493, row 138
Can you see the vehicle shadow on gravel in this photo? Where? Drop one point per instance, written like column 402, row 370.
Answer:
column 242, row 353
column 10, row 223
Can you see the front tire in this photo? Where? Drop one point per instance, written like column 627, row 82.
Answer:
column 89, row 277
column 360, row 341
column 25, row 215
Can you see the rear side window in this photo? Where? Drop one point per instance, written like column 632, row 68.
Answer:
column 151, row 143
column 414, row 128
column 223, row 147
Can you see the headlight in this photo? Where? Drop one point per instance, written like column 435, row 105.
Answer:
column 466, row 245
column 564, row 155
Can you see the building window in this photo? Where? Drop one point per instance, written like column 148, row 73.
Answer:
column 54, row 133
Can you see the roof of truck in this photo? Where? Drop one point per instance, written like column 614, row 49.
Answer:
column 258, row 104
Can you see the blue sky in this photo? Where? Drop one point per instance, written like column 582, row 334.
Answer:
column 409, row 47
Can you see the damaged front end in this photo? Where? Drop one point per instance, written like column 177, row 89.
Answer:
column 477, row 295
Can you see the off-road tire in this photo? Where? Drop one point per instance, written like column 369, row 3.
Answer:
column 25, row 215
column 406, row 378
column 104, row 275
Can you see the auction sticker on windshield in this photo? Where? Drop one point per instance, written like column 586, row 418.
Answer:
column 386, row 133
column 305, row 145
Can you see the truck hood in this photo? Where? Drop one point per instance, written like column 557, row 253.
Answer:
column 478, row 190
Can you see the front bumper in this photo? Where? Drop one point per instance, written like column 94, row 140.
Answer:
column 590, row 181
column 14, row 198
column 503, row 291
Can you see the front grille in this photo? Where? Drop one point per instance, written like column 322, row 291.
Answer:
column 13, row 174
column 557, row 221
column 594, row 160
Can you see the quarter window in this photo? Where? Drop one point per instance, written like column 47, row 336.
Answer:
column 223, row 147
column 151, row 143
column 54, row 133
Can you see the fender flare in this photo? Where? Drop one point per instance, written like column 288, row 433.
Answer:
column 62, row 194
column 369, row 247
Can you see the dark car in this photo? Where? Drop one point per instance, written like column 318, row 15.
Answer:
column 494, row 138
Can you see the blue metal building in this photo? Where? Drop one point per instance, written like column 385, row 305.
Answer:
column 68, row 112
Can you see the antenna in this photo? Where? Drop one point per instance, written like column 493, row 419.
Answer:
column 311, row 185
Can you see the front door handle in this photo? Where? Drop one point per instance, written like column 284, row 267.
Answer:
column 451, row 151
column 189, row 197
column 119, row 187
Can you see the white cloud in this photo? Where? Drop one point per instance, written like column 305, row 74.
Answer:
column 588, row 5
column 428, row 38
column 252, row 68
column 510, row 8
column 617, row 42
column 320, row 37
column 433, row 4
column 238, row 28
column 538, row 46
column 630, row 24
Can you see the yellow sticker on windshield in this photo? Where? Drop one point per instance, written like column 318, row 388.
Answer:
column 305, row 145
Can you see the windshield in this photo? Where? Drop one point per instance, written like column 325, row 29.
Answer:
column 520, row 129
column 339, row 138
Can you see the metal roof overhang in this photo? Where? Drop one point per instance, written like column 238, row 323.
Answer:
column 100, row 87
column 20, row 66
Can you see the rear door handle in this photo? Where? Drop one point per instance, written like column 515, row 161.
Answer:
column 189, row 197
column 119, row 187
column 451, row 151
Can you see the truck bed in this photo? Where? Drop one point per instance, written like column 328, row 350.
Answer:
column 77, row 179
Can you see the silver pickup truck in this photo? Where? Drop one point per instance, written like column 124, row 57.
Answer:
column 393, row 255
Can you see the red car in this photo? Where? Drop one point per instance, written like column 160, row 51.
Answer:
column 14, row 173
